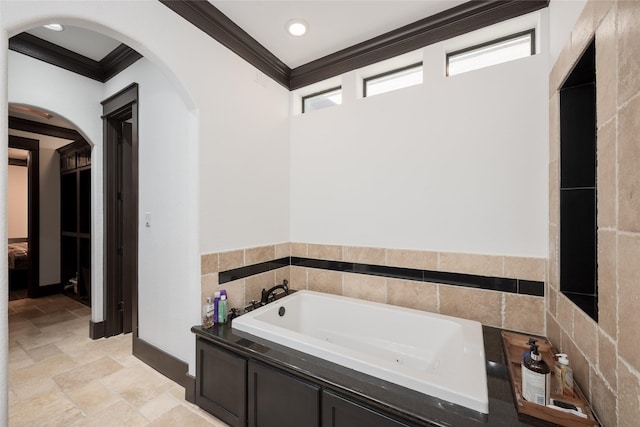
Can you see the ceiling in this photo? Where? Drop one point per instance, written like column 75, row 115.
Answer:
column 333, row 25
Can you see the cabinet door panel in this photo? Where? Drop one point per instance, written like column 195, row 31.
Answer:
column 340, row 412
column 221, row 386
column 280, row 400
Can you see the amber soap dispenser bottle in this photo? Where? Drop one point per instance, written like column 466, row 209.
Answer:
column 536, row 377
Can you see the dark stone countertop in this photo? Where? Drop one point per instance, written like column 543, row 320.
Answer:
column 412, row 406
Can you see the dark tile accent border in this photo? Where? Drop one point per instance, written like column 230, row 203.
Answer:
column 501, row 284
column 251, row 270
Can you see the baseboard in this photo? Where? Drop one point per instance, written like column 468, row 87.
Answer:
column 190, row 389
column 96, row 330
column 47, row 290
column 168, row 365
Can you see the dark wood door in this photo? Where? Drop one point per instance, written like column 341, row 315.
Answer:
column 221, row 383
column 280, row 400
column 340, row 412
column 126, row 217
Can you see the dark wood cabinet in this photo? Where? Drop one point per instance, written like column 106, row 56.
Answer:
column 277, row 399
column 221, row 383
column 340, row 412
column 75, row 220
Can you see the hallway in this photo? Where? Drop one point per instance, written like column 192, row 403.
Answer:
column 60, row 377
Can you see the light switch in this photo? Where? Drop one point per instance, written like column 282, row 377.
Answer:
column 147, row 219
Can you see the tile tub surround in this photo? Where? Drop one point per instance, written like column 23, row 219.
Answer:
column 500, row 291
column 605, row 354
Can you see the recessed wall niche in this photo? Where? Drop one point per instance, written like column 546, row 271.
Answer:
column 578, row 196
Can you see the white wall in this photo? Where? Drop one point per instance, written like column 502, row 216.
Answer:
column 458, row 164
column 233, row 125
column 18, row 201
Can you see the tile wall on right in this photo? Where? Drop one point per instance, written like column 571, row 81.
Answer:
column 605, row 355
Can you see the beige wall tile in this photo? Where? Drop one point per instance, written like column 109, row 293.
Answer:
column 585, row 335
column 208, row 286
column 412, row 294
column 628, row 50
column 628, row 160
column 628, row 397
column 236, row 291
column 564, row 64
column 208, row 263
column 421, row 260
column 607, row 70
column 283, row 273
column 565, row 313
column 524, row 268
column 282, row 250
column 606, row 175
column 230, row 260
column 255, row 284
column 552, row 301
column 583, row 31
column 603, row 400
column 554, row 127
column 554, row 193
column 484, row 265
column 524, row 313
column 363, row 255
column 329, row 252
column 607, row 287
column 259, row 254
column 629, row 298
column 298, row 249
column 553, row 262
column 475, row 304
column 298, row 277
column 362, row 286
column 578, row 362
column 607, row 359
column 553, row 332
column 326, row 281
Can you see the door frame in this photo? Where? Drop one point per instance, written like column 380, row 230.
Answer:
column 122, row 104
column 33, row 227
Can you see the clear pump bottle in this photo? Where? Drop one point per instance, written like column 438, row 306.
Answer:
column 207, row 314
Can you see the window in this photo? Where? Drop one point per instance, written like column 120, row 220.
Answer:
column 320, row 100
column 515, row 46
column 393, row 80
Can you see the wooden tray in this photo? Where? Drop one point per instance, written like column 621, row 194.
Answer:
column 515, row 345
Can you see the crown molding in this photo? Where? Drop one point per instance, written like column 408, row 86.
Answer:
column 25, row 125
column 453, row 22
column 35, row 47
column 216, row 24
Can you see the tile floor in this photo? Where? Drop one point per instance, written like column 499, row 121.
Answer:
column 58, row 376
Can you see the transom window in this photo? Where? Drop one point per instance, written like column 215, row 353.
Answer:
column 504, row 49
column 323, row 99
column 392, row 80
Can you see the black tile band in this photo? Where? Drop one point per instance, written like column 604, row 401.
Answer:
column 517, row 286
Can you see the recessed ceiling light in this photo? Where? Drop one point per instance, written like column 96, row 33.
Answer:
column 297, row 27
column 54, row 27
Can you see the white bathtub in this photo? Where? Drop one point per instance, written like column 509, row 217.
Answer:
column 437, row 355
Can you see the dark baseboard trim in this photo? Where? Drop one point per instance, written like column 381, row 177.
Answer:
column 96, row 330
column 168, row 365
column 47, row 290
column 190, row 389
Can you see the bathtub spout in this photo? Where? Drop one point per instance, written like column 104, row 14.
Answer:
column 266, row 294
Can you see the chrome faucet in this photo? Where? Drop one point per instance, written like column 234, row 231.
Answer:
column 266, row 294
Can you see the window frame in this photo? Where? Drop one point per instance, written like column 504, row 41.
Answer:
column 314, row 94
column 531, row 31
column 388, row 73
